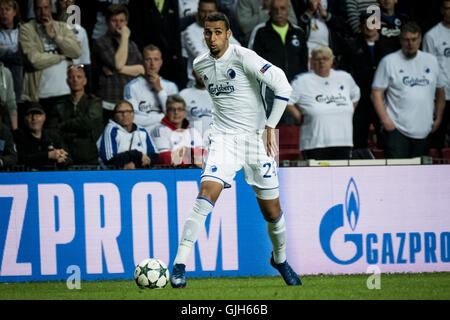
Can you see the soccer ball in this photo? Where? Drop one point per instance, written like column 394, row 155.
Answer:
column 152, row 274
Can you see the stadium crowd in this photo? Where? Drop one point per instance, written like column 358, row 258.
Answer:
column 109, row 83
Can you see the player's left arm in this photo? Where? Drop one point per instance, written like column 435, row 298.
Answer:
column 439, row 105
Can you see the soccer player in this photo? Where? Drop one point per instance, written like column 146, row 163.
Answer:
column 236, row 78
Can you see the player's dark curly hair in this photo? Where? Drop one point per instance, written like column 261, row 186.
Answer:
column 218, row 16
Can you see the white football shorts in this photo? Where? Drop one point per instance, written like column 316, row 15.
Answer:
column 229, row 153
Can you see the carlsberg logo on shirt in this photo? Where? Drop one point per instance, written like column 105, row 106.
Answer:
column 339, row 99
column 220, row 88
column 413, row 82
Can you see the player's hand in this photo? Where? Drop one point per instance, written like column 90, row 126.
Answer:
column 271, row 142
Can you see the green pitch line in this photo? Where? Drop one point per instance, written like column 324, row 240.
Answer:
column 424, row 286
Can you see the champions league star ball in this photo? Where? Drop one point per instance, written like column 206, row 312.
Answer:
column 152, row 274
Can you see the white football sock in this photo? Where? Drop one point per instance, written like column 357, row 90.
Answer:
column 277, row 234
column 192, row 227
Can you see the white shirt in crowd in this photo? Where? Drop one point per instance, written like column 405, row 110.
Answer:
column 236, row 83
column 187, row 7
column 149, row 106
column 82, row 37
column 199, row 109
column 411, row 85
column 167, row 138
column 327, row 107
column 437, row 42
column 193, row 45
column 53, row 81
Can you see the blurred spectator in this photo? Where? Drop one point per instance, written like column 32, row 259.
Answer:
column 8, row 153
column 199, row 106
column 117, row 58
column 324, row 24
column 101, row 26
column 164, row 23
column 391, row 23
column 46, row 45
column 283, row 44
column 250, row 13
column 192, row 39
column 405, row 87
column 79, row 118
column 437, row 42
column 177, row 143
column 124, row 144
column 82, row 36
column 9, row 45
column 8, row 103
column 187, row 11
column 148, row 93
column 326, row 99
column 39, row 148
column 361, row 61
column 356, row 9
column 228, row 7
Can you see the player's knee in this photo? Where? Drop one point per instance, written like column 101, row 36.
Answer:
column 210, row 190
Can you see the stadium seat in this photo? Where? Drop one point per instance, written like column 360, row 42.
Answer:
column 434, row 153
column 289, row 143
column 445, row 153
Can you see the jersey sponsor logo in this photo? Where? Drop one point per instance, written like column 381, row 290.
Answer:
column 197, row 112
column 338, row 99
column 218, row 89
column 388, row 32
column 265, row 68
column 414, row 82
column 146, row 107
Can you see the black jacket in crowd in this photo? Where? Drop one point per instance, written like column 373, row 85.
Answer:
column 8, row 154
column 291, row 57
column 390, row 32
column 33, row 152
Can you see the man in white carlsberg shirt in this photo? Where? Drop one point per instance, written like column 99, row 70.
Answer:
column 408, row 96
column 234, row 77
column 437, row 42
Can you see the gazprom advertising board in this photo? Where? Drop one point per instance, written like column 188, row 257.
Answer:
column 339, row 220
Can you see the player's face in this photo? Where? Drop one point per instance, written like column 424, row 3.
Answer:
column 216, row 37
column 321, row 63
column 279, row 12
column 152, row 61
column 410, row 43
column 176, row 113
column 124, row 115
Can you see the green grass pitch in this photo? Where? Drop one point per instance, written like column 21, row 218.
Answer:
column 423, row 286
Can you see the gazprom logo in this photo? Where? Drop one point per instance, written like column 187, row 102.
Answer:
column 382, row 247
column 334, row 219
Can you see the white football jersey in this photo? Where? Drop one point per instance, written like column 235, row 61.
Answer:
column 236, row 83
column 410, row 86
column 327, row 106
column 199, row 108
column 149, row 106
column 437, row 42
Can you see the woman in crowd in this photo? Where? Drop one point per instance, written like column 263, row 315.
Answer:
column 323, row 101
